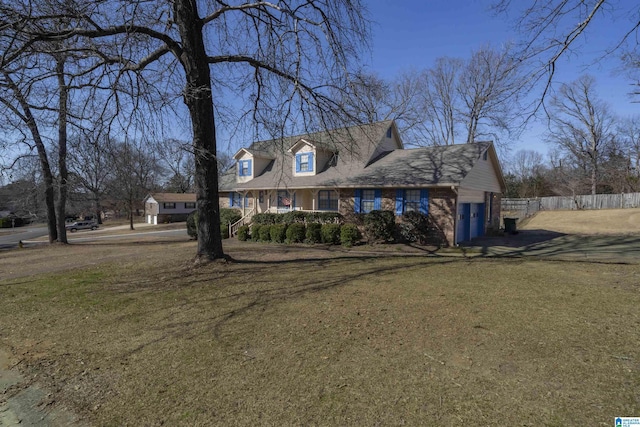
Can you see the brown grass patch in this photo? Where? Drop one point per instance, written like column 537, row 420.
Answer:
column 603, row 221
column 307, row 336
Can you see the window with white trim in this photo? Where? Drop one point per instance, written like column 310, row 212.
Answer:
column 411, row 201
column 367, row 201
column 244, row 168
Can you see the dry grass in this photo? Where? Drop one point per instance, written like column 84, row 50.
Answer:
column 604, row 221
column 306, row 336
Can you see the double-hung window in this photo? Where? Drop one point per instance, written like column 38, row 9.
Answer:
column 235, row 200
column 169, row 205
column 244, row 168
column 412, row 200
column 367, row 200
column 189, row 205
column 327, row 200
column 304, row 162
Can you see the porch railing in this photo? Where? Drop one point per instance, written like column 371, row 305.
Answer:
column 233, row 228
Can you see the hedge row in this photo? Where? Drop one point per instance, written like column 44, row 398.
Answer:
column 297, row 232
column 297, row 217
column 226, row 216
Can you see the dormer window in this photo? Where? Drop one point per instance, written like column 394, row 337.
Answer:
column 244, row 168
column 304, row 162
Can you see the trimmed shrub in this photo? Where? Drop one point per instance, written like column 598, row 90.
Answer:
column 243, row 233
column 265, row 233
column 255, row 232
column 414, row 227
column 278, row 233
column 313, row 234
column 293, row 217
column 349, row 235
column 192, row 225
column 266, row 218
column 324, row 217
column 330, row 233
column 295, row 233
column 227, row 216
column 379, row 226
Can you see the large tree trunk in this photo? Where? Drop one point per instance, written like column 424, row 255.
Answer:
column 62, row 151
column 49, row 192
column 199, row 101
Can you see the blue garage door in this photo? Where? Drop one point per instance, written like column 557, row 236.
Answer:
column 463, row 228
column 476, row 220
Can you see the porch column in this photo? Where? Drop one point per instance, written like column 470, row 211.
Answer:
column 314, row 197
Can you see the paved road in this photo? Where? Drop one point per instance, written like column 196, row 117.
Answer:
column 27, row 236
column 9, row 238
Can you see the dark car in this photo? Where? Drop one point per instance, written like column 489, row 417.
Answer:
column 81, row 225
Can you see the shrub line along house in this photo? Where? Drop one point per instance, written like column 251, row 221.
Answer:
column 364, row 168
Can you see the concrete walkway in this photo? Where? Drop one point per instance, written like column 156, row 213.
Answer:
column 23, row 403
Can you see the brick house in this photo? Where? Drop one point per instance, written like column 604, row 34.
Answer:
column 362, row 168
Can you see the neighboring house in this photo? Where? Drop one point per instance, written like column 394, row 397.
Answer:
column 362, row 168
column 169, row 207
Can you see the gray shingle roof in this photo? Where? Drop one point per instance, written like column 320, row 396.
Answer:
column 353, row 166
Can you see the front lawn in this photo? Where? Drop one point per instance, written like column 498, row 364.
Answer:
column 307, row 336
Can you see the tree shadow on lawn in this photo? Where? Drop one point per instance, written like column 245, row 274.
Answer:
column 624, row 249
column 226, row 303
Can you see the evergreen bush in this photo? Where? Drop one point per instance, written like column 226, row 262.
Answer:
column 243, row 233
column 313, row 234
column 379, row 226
column 296, row 233
column 330, row 233
column 349, row 235
column 278, row 233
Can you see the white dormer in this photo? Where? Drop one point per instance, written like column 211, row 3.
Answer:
column 250, row 163
column 309, row 157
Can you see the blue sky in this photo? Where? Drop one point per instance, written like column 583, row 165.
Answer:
column 412, row 34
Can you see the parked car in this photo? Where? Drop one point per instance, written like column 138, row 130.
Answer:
column 81, row 225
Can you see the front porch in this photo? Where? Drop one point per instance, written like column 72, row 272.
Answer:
column 283, row 201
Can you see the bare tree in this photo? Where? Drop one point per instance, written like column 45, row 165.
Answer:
column 581, row 126
column 628, row 134
column 440, row 102
column 135, row 173
column 90, row 164
column 283, row 55
column 491, row 85
column 469, row 100
column 554, row 29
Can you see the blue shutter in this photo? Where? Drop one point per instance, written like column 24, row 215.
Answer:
column 310, row 162
column 249, row 173
column 356, row 203
column 231, row 199
column 293, row 202
column 377, row 202
column 297, row 162
column 424, row 201
column 246, row 201
column 399, row 201
column 240, row 168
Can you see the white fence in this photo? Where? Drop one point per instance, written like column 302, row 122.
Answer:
column 588, row 201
